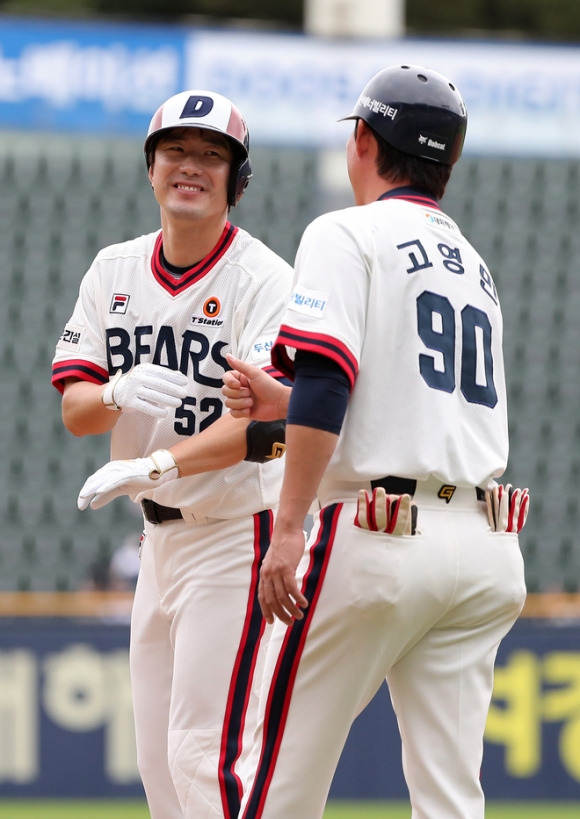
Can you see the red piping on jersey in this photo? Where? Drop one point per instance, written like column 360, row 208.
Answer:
column 287, row 665
column 197, row 271
column 242, row 675
column 77, row 368
column 314, row 343
column 411, row 194
column 274, row 372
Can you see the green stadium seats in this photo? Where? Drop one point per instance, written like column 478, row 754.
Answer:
column 528, row 237
column 62, row 199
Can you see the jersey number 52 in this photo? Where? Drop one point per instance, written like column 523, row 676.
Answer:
column 186, row 416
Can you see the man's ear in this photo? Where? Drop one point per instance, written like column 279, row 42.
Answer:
column 364, row 139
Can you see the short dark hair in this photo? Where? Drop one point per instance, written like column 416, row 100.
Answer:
column 396, row 166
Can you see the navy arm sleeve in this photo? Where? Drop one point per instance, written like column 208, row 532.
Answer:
column 320, row 393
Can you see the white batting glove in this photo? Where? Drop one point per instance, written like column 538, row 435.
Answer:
column 148, row 388
column 122, row 477
column 392, row 514
column 507, row 508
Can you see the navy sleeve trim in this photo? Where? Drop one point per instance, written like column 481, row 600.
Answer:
column 319, row 397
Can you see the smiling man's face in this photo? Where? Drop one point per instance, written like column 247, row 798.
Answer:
column 190, row 173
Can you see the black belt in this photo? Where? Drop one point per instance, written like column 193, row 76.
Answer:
column 408, row 486
column 155, row 513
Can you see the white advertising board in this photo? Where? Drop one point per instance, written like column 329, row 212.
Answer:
column 522, row 99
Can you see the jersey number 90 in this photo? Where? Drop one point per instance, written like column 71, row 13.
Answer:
column 437, row 327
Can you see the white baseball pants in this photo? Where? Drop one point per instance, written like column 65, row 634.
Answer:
column 196, row 642
column 425, row 612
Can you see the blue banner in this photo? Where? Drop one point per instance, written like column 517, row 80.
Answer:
column 63, row 76
column 532, row 740
column 66, row 724
column 99, row 78
column 66, row 719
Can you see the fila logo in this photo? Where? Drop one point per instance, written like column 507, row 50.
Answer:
column 119, row 303
column 446, row 492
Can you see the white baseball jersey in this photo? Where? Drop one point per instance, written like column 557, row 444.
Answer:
column 396, row 295
column 131, row 310
column 393, row 289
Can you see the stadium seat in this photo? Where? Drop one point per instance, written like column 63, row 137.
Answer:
column 60, row 201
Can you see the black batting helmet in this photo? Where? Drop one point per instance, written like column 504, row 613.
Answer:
column 416, row 110
column 206, row 109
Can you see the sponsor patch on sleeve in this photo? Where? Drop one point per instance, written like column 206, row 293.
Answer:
column 261, row 349
column 70, row 338
column 309, row 302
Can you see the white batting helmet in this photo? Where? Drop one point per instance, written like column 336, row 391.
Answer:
column 206, row 109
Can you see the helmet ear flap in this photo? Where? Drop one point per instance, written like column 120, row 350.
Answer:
column 239, row 178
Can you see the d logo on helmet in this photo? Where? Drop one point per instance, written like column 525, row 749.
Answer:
column 197, row 107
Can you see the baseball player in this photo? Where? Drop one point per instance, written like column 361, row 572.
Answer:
column 143, row 356
column 397, row 422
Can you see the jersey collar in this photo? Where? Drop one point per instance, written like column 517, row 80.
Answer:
column 198, row 270
column 411, row 194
